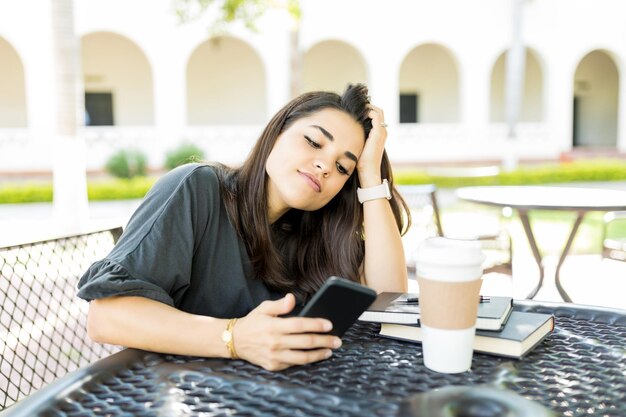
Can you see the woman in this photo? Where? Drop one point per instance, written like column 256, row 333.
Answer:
column 214, row 256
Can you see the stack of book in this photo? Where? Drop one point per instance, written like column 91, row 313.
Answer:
column 500, row 331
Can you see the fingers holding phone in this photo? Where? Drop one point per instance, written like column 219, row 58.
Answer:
column 340, row 301
column 277, row 343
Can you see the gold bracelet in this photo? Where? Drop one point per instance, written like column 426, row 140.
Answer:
column 229, row 339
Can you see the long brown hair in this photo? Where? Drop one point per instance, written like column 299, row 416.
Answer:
column 303, row 248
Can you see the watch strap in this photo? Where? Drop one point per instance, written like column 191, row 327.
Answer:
column 374, row 193
column 228, row 338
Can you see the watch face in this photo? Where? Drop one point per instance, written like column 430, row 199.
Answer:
column 227, row 336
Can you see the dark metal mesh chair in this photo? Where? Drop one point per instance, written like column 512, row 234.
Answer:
column 426, row 221
column 42, row 322
column 422, row 200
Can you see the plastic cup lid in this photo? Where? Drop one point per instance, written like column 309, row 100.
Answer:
column 452, row 252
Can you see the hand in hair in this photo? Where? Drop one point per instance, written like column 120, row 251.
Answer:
column 276, row 343
column 369, row 163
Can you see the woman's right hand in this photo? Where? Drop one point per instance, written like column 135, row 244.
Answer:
column 276, row 343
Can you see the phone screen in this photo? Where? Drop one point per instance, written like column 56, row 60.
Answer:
column 340, row 301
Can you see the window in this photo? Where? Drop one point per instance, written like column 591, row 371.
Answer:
column 408, row 108
column 99, row 109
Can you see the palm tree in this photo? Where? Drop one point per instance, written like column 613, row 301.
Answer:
column 69, row 177
column 515, row 67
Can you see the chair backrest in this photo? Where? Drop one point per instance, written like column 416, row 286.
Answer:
column 423, row 197
column 42, row 322
column 613, row 242
column 497, row 246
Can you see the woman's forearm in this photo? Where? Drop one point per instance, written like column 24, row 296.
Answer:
column 384, row 264
column 262, row 337
column 143, row 323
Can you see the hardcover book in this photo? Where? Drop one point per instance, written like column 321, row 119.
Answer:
column 522, row 332
column 392, row 307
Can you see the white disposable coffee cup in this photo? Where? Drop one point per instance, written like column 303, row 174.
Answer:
column 449, row 274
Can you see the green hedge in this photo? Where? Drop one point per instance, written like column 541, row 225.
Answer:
column 115, row 189
column 579, row 171
column 25, row 193
column 119, row 189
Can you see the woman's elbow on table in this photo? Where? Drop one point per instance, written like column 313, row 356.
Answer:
column 97, row 322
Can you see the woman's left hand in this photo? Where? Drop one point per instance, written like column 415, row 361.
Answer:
column 368, row 166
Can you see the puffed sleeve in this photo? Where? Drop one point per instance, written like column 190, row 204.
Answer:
column 154, row 255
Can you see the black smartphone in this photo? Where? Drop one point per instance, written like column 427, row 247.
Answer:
column 340, row 301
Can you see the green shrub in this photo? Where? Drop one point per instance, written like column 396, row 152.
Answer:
column 183, row 154
column 127, row 163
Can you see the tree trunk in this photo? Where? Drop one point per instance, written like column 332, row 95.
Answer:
column 69, row 178
column 296, row 61
column 514, row 82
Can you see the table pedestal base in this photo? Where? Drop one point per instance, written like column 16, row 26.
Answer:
column 523, row 215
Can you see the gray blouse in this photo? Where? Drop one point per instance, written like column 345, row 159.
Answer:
column 181, row 249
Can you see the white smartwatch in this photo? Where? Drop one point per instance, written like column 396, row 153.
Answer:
column 374, row 193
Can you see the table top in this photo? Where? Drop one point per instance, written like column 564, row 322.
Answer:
column 579, row 370
column 546, row 197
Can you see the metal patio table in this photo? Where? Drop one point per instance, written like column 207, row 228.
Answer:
column 579, row 370
column 527, row 198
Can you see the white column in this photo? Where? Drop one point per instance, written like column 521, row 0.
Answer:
column 384, row 87
column 474, row 88
column 559, row 96
column 277, row 80
column 275, row 48
column 170, row 104
column 69, row 177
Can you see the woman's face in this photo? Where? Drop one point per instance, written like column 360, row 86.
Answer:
column 311, row 161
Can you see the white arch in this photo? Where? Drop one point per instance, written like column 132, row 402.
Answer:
column 113, row 63
column 596, row 98
column 226, row 83
column 12, row 87
column 431, row 72
column 533, row 100
column 331, row 64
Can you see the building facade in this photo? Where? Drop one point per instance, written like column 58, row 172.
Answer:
column 437, row 68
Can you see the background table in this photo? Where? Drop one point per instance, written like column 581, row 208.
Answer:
column 579, row 370
column 527, row 198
